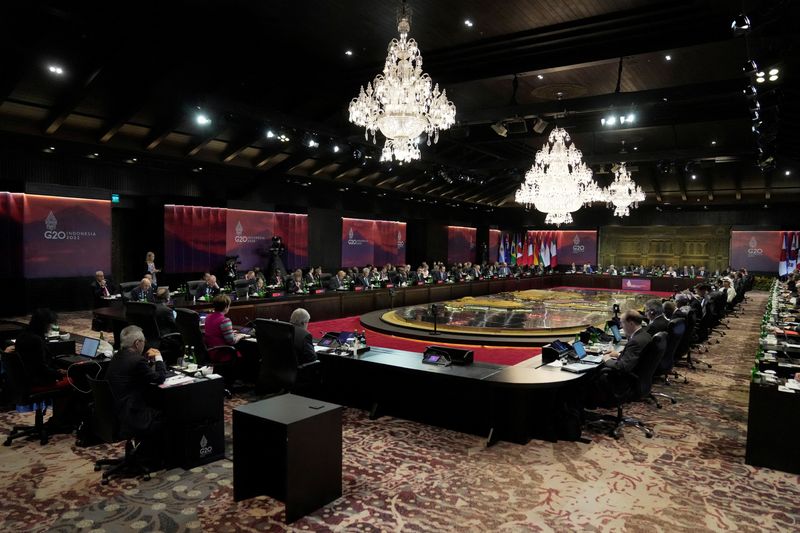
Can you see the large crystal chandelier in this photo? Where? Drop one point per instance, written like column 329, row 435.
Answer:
column 623, row 193
column 559, row 182
column 402, row 102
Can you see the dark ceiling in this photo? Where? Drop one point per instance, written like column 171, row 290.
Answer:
column 135, row 73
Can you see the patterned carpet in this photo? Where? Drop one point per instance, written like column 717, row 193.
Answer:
column 404, row 476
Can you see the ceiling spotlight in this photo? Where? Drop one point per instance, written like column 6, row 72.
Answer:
column 336, row 148
column 740, row 25
column 197, row 169
column 468, row 23
column 610, row 121
column 694, row 176
column 202, row 119
column 773, row 71
column 540, row 76
column 312, row 143
column 760, row 80
column 499, row 129
column 348, row 52
column 635, row 148
column 631, row 117
column 713, row 143
column 270, row 134
column 787, row 173
column 668, row 57
column 52, row 148
column 749, row 67
column 773, row 78
column 283, row 138
column 622, row 119
column 55, row 69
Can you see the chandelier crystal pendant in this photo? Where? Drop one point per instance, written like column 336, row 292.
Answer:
column 559, row 182
column 402, row 102
column 623, row 193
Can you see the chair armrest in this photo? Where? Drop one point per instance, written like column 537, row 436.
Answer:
column 309, row 364
column 170, row 335
column 222, row 347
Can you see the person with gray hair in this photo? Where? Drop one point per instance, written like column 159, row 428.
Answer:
column 654, row 311
column 130, row 377
column 303, row 343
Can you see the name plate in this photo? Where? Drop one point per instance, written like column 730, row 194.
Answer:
column 358, row 288
column 277, row 294
column 319, row 291
column 420, row 283
column 439, row 281
column 389, row 285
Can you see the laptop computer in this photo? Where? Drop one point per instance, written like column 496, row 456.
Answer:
column 90, row 346
column 580, row 353
column 616, row 333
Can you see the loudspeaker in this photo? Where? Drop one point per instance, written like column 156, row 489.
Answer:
column 457, row 356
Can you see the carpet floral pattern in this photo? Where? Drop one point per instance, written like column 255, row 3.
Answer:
column 404, row 476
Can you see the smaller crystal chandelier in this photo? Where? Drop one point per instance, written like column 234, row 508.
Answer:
column 559, row 182
column 402, row 102
column 623, row 193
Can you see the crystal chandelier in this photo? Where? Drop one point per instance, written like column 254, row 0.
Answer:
column 623, row 193
column 559, row 182
column 402, row 102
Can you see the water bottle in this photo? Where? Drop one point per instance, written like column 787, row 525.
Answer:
column 181, row 358
column 190, row 359
column 356, row 343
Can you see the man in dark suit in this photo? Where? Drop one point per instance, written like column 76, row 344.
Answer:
column 165, row 317
column 303, row 343
column 144, row 292
column 102, row 287
column 337, row 282
column 363, row 278
column 210, row 289
column 654, row 311
column 130, row 377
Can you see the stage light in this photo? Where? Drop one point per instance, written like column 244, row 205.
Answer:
column 694, row 176
column 55, row 69
column 773, row 71
column 668, row 57
column 740, row 24
column 335, row 148
column 787, row 173
column 348, row 52
column 760, row 80
column 773, row 78
column 270, row 134
column 202, row 119
column 468, row 23
column 713, row 143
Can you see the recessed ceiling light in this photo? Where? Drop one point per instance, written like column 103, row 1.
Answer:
column 773, row 71
column 631, row 117
column 694, row 176
column 773, row 78
column 760, row 74
column 635, row 148
column 668, row 57
column 787, row 173
column 55, row 69
column 713, row 143
column 336, row 148
column 348, row 52
column 540, row 76
column 760, row 80
column 202, row 119
column 134, row 159
column 52, row 148
column 468, row 23
column 96, row 154
column 270, row 134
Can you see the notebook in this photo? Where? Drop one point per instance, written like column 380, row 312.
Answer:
column 578, row 367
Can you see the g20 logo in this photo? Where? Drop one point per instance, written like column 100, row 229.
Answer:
column 577, row 247
column 55, row 235
column 754, row 250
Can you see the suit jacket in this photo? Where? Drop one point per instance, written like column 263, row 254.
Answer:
column 98, row 290
column 138, row 295
column 336, row 284
column 629, row 357
column 32, row 350
column 294, row 287
column 659, row 324
column 130, row 376
column 207, row 290
column 363, row 281
column 303, row 346
column 311, row 279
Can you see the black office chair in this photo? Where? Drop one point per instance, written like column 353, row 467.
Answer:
column 639, row 383
column 143, row 314
column 676, row 330
column 241, row 287
column 105, row 426
column 192, row 286
column 19, row 388
column 126, row 287
column 188, row 322
column 279, row 369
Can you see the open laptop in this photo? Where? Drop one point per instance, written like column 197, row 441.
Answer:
column 580, row 353
column 617, row 335
column 89, row 348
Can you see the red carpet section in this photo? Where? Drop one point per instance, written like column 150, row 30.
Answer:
column 488, row 354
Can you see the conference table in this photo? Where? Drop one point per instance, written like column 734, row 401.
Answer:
column 327, row 305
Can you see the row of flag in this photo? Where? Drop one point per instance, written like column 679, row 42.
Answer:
column 533, row 248
column 789, row 250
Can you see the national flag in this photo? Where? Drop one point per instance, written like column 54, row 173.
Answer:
column 784, row 249
column 531, row 260
column 520, row 251
column 791, row 262
column 535, row 236
column 553, row 250
column 501, row 253
column 524, row 250
column 545, row 253
column 513, row 250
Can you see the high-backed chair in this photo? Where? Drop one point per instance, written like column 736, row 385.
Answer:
column 106, row 427
column 676, row 330
column 279, row 369
column 126, row 287
column 640, row 383
column 21, row 392
column 192, row 286
column 241, row 287
column 143, row 314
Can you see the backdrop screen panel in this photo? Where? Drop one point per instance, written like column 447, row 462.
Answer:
column 249, row 235
column 65, row 237
column 494, row 243
column 577, row 247
column 759, row 251
column 194, row 238
column 374, row 242
column 460, row 244
column 11, row 222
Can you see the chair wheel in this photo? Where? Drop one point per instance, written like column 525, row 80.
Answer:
column 673, row 400
column 616, row 434
column 648, row 434
column 97, row 468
